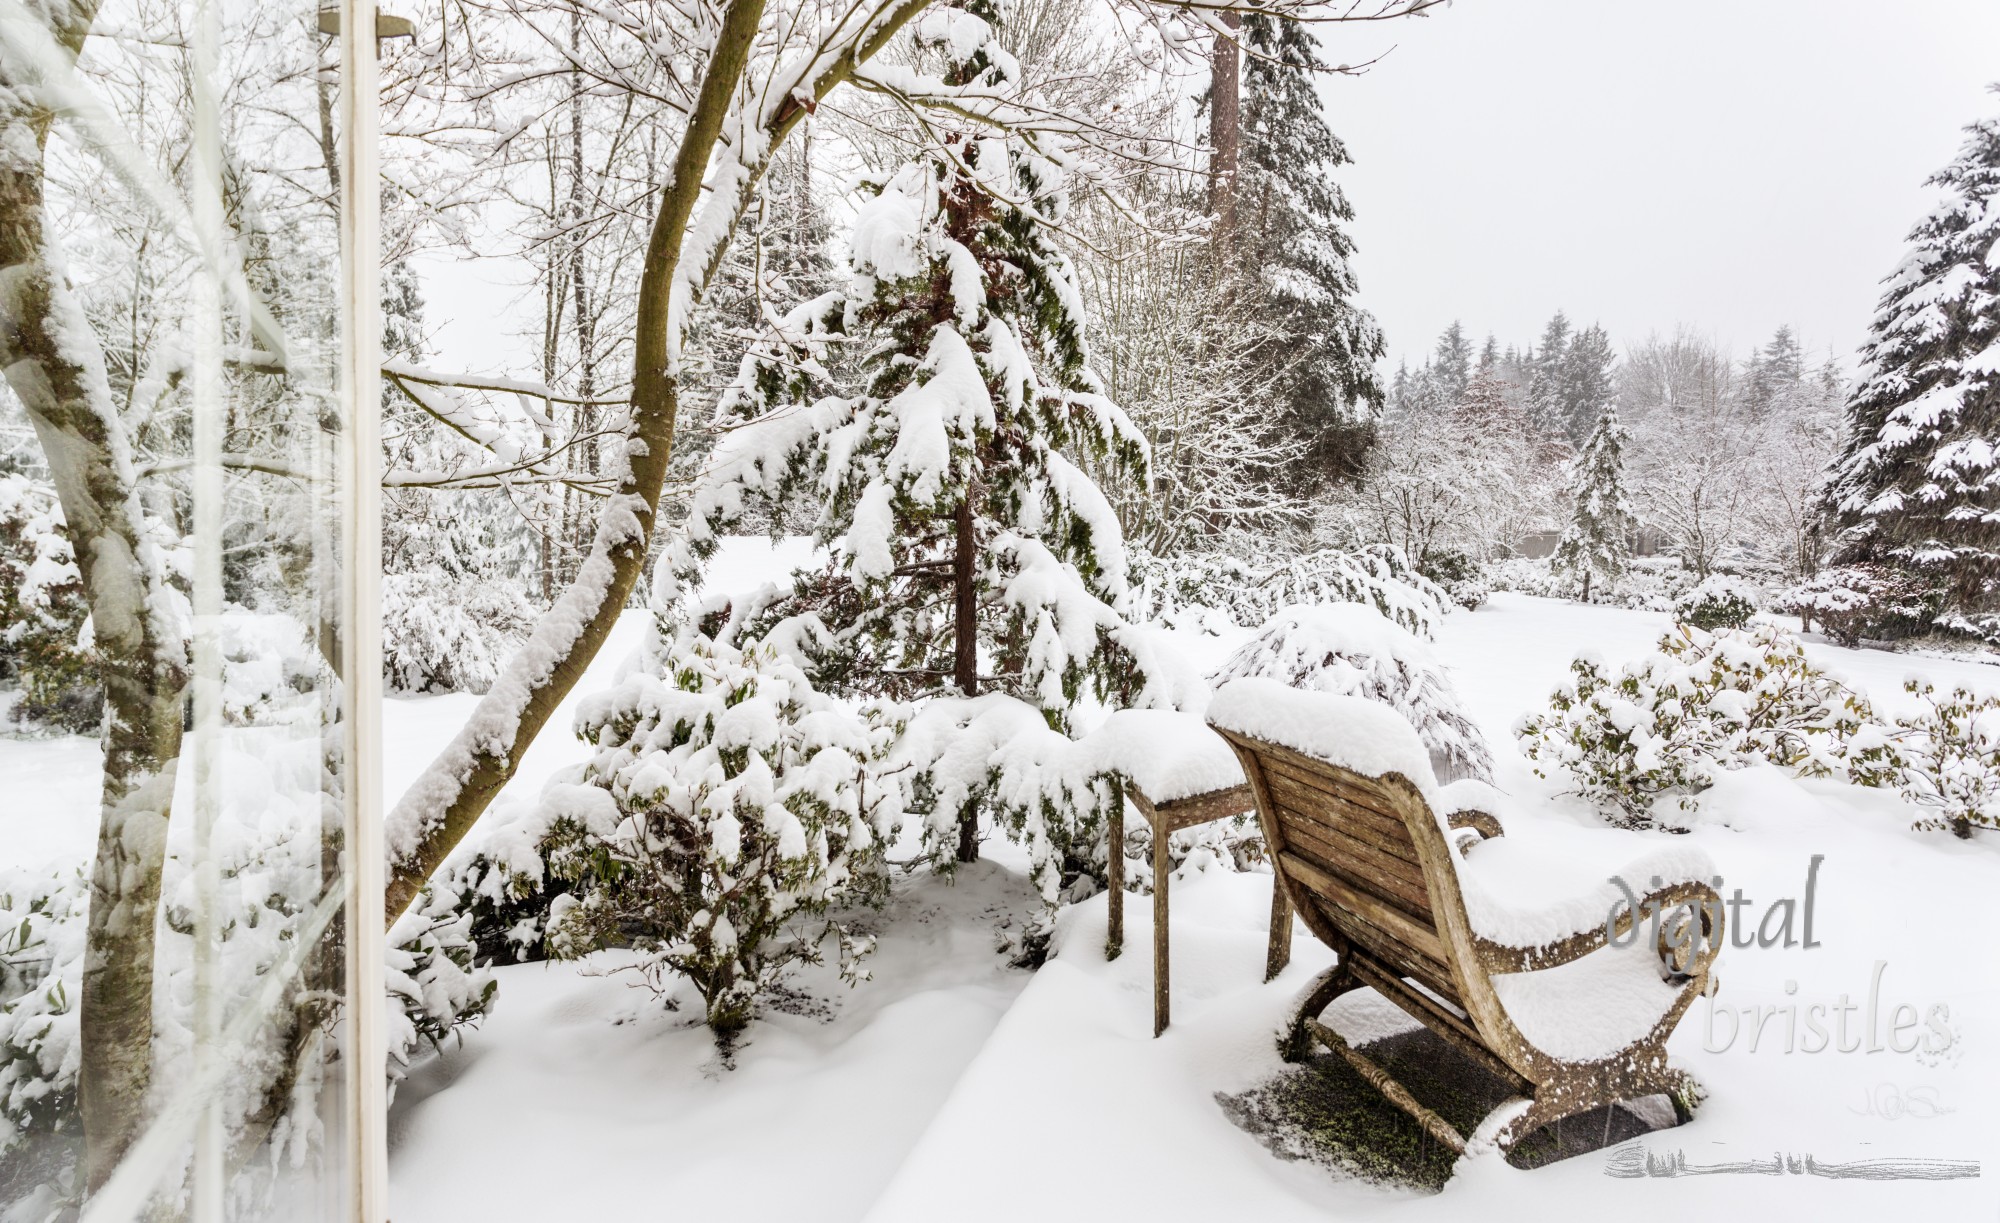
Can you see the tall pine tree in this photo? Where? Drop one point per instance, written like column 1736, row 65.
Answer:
column 1452, row 363
column 1545, row 377
column 970, row 546
column 1597, row 539
column 1776, row 373
column 1291, row 219
column 1918, row 484
column 1585, row 380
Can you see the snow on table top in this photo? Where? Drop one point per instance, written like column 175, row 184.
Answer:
column 1350, row 731
column 1168, row 754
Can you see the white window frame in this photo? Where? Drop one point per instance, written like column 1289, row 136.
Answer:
column 361, row 609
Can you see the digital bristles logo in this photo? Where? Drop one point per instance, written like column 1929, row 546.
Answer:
column 1870, row 1021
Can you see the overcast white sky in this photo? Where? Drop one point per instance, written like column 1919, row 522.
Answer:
column 1727, row 164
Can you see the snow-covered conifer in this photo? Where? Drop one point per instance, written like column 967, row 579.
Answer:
column 42, row 611
column 1586, row 380
column 1291, row 226
column 1451, row 364
column 957, row 484
column 1918, row 484
column 1597, row 539
column 1545, row 376
column 1775, row 374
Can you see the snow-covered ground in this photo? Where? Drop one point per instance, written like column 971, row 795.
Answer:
column 953, row 1084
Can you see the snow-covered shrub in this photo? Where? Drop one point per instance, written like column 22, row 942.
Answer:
column 1209, row 591
column 1458, row 576
column 43, row 613
column 442, row 634
column 1352, row 651
column 1665, row 724
column 997, row 753
column 267, row 663
column 1645, row 584
column 41, row 973
column 1525, row 575
column 434, row 984
column 435, row 988
column 438, row 986
column 1193, row 588
column 1853, row 602
column 1947, row 758
column 1721, row 602
column 499, row 877
column 728, row 807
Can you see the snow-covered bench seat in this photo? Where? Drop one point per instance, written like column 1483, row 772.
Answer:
column 1386, row 867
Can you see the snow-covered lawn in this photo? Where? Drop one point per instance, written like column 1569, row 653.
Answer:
column 955, row 1085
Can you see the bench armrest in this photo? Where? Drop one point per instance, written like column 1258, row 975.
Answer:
column 1477, row 822
column 1702, row 946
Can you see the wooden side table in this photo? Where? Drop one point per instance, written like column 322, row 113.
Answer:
column 1166, row 819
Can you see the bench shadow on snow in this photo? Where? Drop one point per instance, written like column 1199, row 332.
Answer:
column 1324, row 1111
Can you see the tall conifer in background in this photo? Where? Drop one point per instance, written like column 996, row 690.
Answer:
column 1545, row 376
column 1918, row 484
column 1586, row 385
column 1291, row 219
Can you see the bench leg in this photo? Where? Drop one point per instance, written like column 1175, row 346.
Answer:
column 1161, row 871
column 1279, row 953
column 1114, row 873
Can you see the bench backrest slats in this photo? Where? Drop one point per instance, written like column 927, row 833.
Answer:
column 1344, row 838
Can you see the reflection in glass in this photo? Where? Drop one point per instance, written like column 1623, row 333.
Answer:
column 172, row 970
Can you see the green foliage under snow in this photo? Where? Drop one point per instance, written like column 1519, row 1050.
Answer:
column 728, row 807
column 1665, row 725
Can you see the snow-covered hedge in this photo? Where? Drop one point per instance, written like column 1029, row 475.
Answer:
column 1352, row 651
column 729, row 806
column 1853, row 602
column 444, row 634
column 1664, row 725
column 1195, row 588
column 43, row 613
column 438, row 983
column 1720, row 602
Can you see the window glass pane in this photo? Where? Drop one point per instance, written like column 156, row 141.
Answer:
column 172, row 965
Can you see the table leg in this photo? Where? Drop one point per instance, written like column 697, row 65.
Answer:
column 1114, row 940
column 1161, row 872
column 1279, row 953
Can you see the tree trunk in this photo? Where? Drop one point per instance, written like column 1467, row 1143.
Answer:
column 1225, row 131
column 56, row 369
column 441, row 807
column 965, row 653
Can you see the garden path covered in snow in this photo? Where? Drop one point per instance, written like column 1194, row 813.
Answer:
column 953, row 1084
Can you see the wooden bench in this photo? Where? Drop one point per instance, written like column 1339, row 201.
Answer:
column 1375, row 874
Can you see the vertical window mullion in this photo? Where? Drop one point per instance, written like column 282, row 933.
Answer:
column 360, row 605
